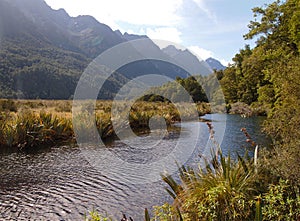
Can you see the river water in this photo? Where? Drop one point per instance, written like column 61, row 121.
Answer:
column 60, row 183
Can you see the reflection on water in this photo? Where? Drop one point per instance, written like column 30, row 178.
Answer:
column 60, row 184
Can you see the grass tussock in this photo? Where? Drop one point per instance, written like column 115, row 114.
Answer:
column 28, row 129
column 30, row 123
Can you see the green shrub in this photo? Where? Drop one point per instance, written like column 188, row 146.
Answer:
column 224, row 190
column 166, row 212
column 95, row 216
column 8, row 105
column 281, row 202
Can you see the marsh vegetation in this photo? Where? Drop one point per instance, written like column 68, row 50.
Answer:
column 33, row 123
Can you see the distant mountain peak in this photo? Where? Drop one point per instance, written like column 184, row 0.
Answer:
column 215, row 64
column 61, row 10
column 118, row 32
column 187, row 59
column 130, row 37
column 171, row 50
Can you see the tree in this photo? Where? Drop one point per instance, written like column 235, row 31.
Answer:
column 277, row 51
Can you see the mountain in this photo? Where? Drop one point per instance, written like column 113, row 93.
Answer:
column 215, row 64
column 43, row 52
column 186, row 58
column 36, row 20
column 131, row 37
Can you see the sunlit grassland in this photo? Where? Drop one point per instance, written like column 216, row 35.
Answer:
column 26, row 123
column 30, row 123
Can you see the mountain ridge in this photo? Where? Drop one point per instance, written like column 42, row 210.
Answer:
column 188, row 57
column 39, row 44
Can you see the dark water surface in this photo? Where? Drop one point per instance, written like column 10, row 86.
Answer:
column 60, row 184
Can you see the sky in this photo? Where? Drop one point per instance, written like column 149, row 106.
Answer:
column 209, row 28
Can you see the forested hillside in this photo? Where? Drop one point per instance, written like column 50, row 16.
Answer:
column 43, row 52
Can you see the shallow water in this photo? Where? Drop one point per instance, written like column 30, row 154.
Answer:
column 61, row 183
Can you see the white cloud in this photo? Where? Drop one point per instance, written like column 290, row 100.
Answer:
column 164, row 33
column 136, row 12
column 201, row 53
column 224, row 62
column 203, row 7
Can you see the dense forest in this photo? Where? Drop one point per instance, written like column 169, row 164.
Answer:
column 27, row 70
column 268, row 76
column 174, row 91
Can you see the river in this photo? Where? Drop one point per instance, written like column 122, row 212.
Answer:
column 59, row 183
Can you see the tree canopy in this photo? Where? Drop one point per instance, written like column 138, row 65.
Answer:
column 269, row 75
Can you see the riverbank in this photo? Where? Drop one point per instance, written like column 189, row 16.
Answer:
column 245, row 110
column 33, row 123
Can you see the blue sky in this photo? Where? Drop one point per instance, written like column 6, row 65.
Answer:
column 209, row 28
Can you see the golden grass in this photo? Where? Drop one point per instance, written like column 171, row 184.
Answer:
column 27, row 123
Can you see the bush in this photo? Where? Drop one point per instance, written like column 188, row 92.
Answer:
column 95, row 216
column 281, row 202
column 8, row 105
column 223, row 189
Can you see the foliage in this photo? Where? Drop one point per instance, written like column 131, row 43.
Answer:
column 38, row 122
column 284, row 119
column 267, row 78
column 251, row 77
column 240, row 108
column 147, row 216
column 175, row 91
column 221, row 190
column 95, row 216
column 281, row 202
column 8, row 105
column 166, row 212
column 28, row 129
column 284, row 76
column 64, row 107
column 229, row 190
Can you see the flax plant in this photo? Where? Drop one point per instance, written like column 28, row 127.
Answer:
column 28, row 129
column 222, row 190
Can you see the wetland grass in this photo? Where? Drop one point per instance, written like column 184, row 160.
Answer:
column 32, row 123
